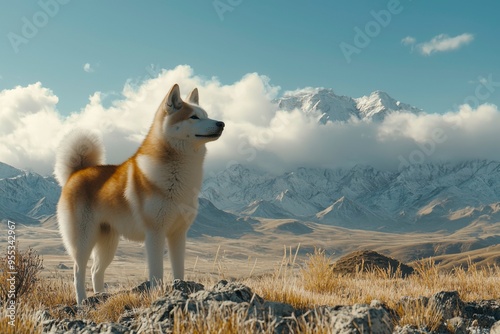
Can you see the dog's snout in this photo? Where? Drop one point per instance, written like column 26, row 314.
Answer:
column 220, row 124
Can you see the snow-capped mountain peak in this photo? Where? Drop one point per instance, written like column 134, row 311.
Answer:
column 26, row 196
column 379, row 103
column 321, row 103
column 7, row 171
column 326, row 106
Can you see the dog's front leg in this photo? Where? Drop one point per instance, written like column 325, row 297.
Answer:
column 177, row 249
column 155, row 245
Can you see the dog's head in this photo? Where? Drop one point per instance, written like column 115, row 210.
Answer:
column 186, row 120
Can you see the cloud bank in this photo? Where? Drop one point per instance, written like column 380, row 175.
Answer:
column 439, row 43
column 257, row 132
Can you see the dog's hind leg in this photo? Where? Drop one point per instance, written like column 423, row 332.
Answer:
column 79, row 239
column 81, row 257
column 79, row 272
column 102, row 254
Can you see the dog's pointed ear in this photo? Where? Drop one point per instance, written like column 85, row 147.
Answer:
column 194, row 97
column 174, row 101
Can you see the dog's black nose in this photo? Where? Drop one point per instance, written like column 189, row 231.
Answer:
column 220, row 124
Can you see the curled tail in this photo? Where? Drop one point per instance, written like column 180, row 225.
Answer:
column 78, row 150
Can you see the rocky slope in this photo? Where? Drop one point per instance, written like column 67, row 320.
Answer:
column 236, row 304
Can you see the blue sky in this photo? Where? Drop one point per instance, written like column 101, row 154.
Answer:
column 296, row 44
column 105, row 65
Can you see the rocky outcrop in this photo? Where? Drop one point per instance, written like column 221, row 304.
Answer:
column 368, row 260
column 227, row 298
column 457, row 317
column 190, row 301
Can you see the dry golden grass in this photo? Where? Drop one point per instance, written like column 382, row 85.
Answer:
column 24, row 321
column 20, row 266
column 115, row 306
column 217, row 319
column 303, row 285
column 52, row 293
column 19, row 271
column 420, row 315
column 317, row 274
column 316, row 284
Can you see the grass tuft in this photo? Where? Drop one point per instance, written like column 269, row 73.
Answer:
column 219, row 320
column 317, row 274
column 115, row 306
column 18, row 272
column 417, row 313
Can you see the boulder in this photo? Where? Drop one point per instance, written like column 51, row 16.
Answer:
column 368, row 260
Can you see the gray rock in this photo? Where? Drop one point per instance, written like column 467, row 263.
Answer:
column 62, row 266
column 495, row 329
column 42, row 315
column 483, row 321
column 279, row 309
column 359, row 318
column 486, row 307
column 96, row 299
column 392, row 313
column 222, row 291
column 69, row 310
column 187, row 287
column 448, row 303
column 69, row 326
column 162, row 309
column 458, row 325
column 144, row 287
column 407, row 329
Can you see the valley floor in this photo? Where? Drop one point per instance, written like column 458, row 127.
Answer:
column 261, row 251
column 288, row 264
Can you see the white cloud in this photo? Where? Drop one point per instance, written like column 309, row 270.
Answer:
column 88, row 68
column 439, row 43
column 408, row 40
column 443, row 43
column 256, row 131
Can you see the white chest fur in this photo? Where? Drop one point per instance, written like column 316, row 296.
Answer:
column 176, row 179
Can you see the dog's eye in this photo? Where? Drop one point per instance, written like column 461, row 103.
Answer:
column 194, row 117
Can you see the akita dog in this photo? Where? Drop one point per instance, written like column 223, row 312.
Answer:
column 151, row 197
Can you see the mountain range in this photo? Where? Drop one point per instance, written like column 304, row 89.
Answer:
column 419, row 197
column 26, row 196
